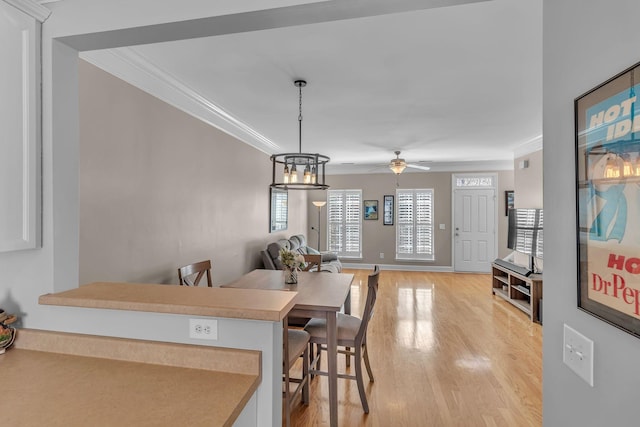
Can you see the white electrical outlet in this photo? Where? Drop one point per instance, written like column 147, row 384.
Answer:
column 203, row 329
column 578, row 354
column 381, row 255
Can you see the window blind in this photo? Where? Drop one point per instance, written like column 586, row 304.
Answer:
column 414, row 229
column 344, row 219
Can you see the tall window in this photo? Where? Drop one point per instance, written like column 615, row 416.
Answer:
column 345, row 225
column 414, row 229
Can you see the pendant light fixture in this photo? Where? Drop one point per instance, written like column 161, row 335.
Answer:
column 618, row 164
column 285, row 165
column 612, row 169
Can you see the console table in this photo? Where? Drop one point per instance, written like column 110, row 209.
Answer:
column 523, row 292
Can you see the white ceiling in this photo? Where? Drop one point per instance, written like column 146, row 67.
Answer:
column 458, row 87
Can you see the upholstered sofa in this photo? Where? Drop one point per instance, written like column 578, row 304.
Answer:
column 298, row 243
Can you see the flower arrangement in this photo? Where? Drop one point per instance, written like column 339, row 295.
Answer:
column 292, row 260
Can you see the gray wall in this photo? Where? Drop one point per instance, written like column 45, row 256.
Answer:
column 528, row 193
column 528, row 181
column 155, row 191
column 377, row 238
column 585, row 43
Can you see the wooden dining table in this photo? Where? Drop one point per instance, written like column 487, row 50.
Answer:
column 320, row 295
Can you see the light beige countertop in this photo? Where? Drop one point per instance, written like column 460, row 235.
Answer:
column 251, row 304
column 61, row 379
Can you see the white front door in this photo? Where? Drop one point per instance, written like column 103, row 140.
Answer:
column 474, row 212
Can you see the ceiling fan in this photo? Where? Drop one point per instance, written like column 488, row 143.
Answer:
column 398, row 165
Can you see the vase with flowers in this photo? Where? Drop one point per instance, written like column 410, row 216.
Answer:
column 292, row 262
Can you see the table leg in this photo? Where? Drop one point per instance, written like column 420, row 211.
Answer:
column 347, row 310
column 347, row 303
column 332, row 363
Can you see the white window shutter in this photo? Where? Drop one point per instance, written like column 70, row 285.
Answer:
column 414, row 229
column 344, row 219
column 404, row 227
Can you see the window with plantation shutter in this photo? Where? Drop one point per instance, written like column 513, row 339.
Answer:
column 344, row 222
column 414, row 229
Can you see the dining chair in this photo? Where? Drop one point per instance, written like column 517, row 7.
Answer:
column 186, row 273
column 352, row 333
column 314, row 262
column 296, row 345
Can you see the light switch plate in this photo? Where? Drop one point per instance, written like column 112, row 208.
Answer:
column 442, row 227
column 578, row 353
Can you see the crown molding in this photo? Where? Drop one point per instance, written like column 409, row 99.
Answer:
column 31, row 8
column 528, row 147
column 135, row 69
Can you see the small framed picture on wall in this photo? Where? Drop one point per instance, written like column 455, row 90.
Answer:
column 508, row 201
column 371, row 209
column 387, row 215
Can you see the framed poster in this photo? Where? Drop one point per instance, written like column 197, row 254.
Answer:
column 279, row 210
column 387, row 211
column 371, row 209
column 607, row 147
column 508, row 201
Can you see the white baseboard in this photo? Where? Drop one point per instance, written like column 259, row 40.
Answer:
column 400, row 267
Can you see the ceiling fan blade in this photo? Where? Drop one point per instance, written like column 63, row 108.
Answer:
column 424, row 168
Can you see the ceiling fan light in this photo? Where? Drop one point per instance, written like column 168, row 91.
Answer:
column 397, row 166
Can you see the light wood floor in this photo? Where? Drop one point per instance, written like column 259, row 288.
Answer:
column 444, row 352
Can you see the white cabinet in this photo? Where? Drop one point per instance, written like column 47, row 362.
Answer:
column 20, row 166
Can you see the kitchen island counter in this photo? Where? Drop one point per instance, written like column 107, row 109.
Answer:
column 63, row 379
column 248, row 304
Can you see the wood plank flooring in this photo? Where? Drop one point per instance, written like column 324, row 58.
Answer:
column 444, row 352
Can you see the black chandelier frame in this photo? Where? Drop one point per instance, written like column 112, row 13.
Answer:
column 312, row 164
